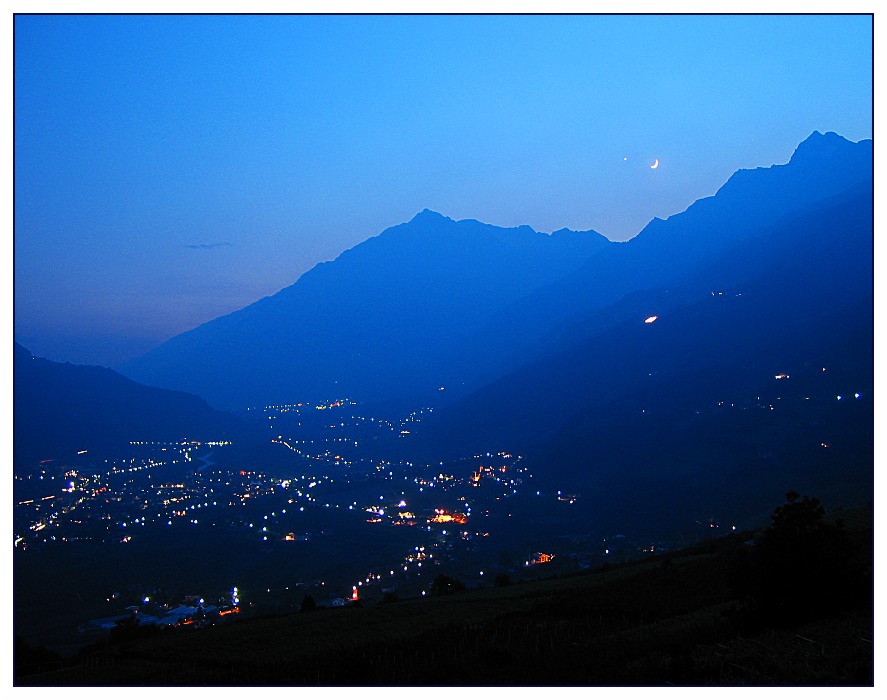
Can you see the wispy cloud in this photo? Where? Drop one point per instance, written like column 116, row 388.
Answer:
column 206, row 246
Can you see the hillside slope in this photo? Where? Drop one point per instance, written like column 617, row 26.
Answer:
column 60, row 408
column 718, row 614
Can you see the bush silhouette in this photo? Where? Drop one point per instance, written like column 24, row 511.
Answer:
column 446, row 584
column 503, row 580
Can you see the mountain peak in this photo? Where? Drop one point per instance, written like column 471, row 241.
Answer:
column 818, row 145
column 817, row 137
column 429, row 215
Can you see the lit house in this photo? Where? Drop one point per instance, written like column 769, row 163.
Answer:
column 540, row 558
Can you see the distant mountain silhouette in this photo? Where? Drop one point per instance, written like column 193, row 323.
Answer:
column 688, row 250
column 653, row 420
column 787, row 277
column 393, row 317
column 436, row 302
column 60, row 409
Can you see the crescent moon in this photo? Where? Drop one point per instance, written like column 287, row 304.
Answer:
column 655, row 165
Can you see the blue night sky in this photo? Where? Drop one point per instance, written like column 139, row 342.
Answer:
column 171, row 169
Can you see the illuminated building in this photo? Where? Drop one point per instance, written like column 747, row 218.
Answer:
column 541, row 558
column 442, row 516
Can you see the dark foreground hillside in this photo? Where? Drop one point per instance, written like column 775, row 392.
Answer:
column 791, row 607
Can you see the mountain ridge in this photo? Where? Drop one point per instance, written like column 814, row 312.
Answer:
column 667, row 252
column 621, row 392
column 442, row 276
column 437, row 302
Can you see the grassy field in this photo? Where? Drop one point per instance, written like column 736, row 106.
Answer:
column 683, row 619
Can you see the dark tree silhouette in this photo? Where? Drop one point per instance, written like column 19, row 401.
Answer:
column 806, row 564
